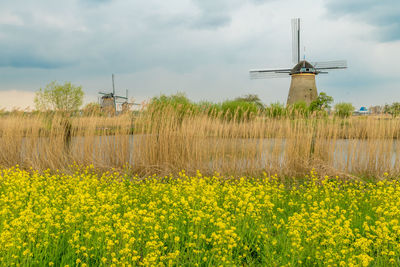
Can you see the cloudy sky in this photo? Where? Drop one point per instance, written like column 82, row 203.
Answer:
column 201, row 47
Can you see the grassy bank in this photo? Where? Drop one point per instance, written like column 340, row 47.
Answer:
column 91, row 220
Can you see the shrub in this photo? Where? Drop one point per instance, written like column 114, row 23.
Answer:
column 275, row 110
column 344, row 110
column 393, row 109
column 177, row 103
column 59, row 97
column 212, row 109
column 322, row 102
column 239, row 110
column 250, row 98
column 299, row 108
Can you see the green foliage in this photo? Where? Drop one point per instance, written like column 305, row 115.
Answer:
column 178, row 101
column 212, row 109
column 251, row 98
column 322, row 102
column 275, row 110
column 300, row 107
column 178, row 104
column 237, row 109
column 57, row 97
column 344, row 110
column 393, row 109
column 240, row 108
column 297, row 109
column 244, row 107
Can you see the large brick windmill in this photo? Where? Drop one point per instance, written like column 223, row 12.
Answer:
column 302, row 86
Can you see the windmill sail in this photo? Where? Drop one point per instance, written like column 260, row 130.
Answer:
column 110, row 100
column 296, row 40
column 330, row 65
column 301, row 66
column 269, row 73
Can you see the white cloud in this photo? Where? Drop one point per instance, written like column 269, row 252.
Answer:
column 10, row 19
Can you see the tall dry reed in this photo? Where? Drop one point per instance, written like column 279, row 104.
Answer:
column 167, row 142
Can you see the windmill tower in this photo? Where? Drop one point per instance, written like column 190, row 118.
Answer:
column 302, row 86
column 109, row 101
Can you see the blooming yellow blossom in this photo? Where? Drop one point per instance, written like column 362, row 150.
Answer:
column 84, row 218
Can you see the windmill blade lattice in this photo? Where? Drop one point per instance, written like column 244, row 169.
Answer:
column 265, row 74
column 296, row 40
column 330, row 65
column 302, row 85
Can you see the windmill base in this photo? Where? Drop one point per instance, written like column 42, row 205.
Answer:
column 302, row 88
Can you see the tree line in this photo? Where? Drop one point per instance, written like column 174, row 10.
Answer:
column 69, row 98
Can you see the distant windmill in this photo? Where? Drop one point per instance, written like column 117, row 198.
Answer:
column 302, row 86
column 109, row 100
column 126, row 106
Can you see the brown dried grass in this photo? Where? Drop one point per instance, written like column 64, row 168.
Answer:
column 164, row 142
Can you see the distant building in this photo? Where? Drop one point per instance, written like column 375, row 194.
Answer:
column 376, row 109
column 362, row 111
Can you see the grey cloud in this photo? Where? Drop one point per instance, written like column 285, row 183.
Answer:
column 383, row 14
column 35, row 47
column 217, row 13
column 214, row 13
column 26, row 60
column 96, row 1
column 212, row 21
column 92, row 3
column 136, row 39
column 204, row 47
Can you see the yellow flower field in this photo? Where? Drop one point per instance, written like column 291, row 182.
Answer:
column 55, row 219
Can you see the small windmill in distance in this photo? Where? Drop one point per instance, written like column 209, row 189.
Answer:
column 109, row 101
column 302, row 86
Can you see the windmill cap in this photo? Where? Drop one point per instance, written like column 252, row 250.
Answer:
column 303, row 67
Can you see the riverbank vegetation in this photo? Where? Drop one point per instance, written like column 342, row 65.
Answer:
column 168, row 139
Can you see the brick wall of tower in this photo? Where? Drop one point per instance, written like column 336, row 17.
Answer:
column 302, row 88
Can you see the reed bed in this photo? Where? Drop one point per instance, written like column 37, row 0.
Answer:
column 168, row 141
